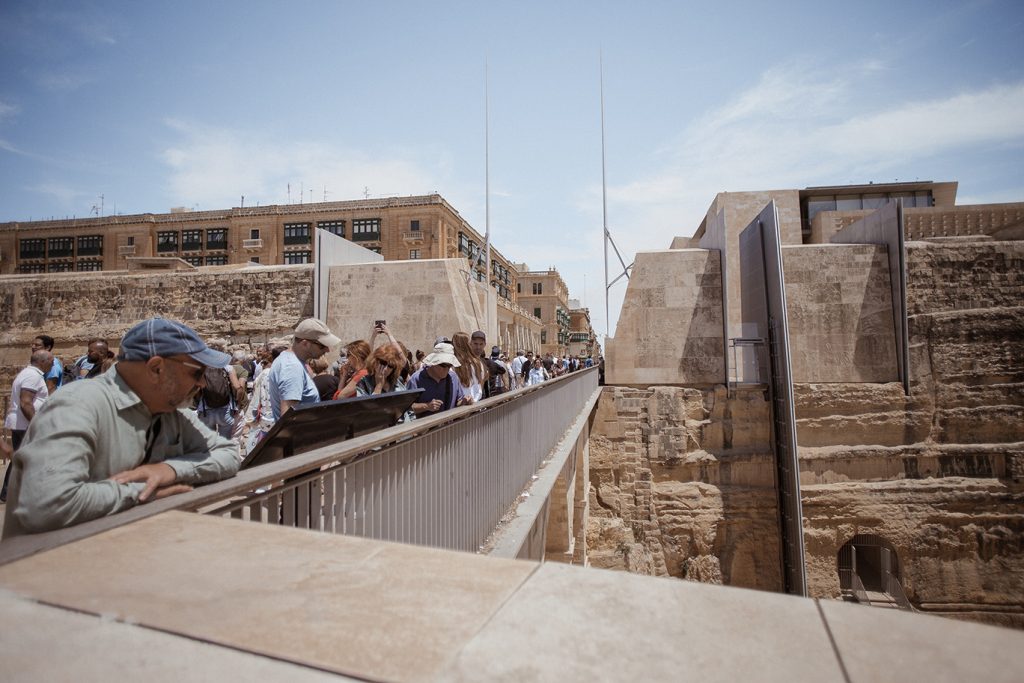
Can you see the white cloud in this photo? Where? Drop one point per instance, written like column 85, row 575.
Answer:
column 792, row 130
column 63, row 194
column 8, row 147
column 67, row 80
column 7, row 111
column 796, row 128
column 213, row 167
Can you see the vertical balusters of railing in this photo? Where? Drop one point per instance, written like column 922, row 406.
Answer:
column 288, row 499
column 447, row 488
column 274, row 509
column 344, row 500
column 329, row 479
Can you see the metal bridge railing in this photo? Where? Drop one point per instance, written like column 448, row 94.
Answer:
column 444, row 481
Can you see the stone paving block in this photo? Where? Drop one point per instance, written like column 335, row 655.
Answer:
column 43, row 643
column 890, row 645
column 565, row 624
column 358, row 607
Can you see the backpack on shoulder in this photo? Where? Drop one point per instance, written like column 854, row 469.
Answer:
column 217, row 392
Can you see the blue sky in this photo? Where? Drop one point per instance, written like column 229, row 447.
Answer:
column 154, row 105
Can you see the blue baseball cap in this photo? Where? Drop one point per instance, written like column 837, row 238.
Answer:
column 162, row 337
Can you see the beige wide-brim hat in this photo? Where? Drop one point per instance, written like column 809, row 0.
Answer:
column 443, row 353
column 313, row 329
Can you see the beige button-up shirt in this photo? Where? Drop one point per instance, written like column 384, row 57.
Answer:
column 89, row 431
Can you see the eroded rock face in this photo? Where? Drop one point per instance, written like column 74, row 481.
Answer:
column 684, row 483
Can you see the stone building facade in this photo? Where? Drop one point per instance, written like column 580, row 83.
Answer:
column 929, row 477
column 545, row 294
column 398, row 228
column 582, row 338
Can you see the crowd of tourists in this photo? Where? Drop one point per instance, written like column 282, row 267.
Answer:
column 98, row 434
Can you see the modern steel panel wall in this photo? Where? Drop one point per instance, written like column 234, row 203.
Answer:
column 763, row 305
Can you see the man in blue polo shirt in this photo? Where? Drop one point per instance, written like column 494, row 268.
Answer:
column 441, row 387
column 289, row 383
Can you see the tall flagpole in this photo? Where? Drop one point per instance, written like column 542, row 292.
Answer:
column 604, row 209
column 486, row 175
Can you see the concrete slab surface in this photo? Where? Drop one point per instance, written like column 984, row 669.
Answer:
column 345, row 604
column 567, row 624
column 99, row 649
column 182, row 596
column 891, row 645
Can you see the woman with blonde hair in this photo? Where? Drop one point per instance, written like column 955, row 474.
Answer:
column 471, row 372
column 384, row 372
column 354, row 369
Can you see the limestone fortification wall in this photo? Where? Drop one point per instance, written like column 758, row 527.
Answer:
column 670, row 329
column 246, row 306
column 839, row 305
column 421, row 300
column 682, row 481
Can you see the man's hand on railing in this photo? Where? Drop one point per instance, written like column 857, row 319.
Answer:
column 429, row 407
column 158, row 478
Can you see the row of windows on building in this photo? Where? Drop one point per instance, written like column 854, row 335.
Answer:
column 60, row 247
column 500, row 274
column 873, row 200
column 191, row 240
column 81, row 266
column 563, row 337
column 210, row 239
column 363, row 229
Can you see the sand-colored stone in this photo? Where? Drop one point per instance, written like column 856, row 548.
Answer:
column 421, row 300
column 840, row 313
column 182, row 596
column 44, row 643
column 939, row 473
column 670, row 329
column 573, row 625
column 345, row 604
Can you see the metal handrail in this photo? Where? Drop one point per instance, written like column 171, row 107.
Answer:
column 851, row 585
column 894, row 589
column 484, row 453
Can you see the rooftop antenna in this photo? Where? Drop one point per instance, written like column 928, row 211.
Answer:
column 366, row 191
column 604, row 213
column 289, row 193
column 325, row 193
column 302, row 191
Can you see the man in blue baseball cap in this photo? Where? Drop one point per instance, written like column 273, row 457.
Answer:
column 125, row 438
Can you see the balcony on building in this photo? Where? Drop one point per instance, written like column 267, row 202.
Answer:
column 256, row 243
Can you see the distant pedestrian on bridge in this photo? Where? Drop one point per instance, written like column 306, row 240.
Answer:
column 442, row 389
